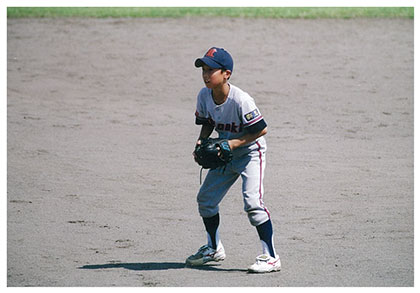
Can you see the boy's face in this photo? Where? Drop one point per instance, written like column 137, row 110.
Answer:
column 214, row 77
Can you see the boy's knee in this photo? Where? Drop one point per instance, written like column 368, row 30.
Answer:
column 207, row 211
column 257, row 217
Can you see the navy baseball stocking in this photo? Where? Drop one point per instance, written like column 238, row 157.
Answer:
column 265, row 231
column 212, row 228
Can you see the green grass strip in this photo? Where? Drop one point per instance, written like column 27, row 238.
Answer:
column 244, row 12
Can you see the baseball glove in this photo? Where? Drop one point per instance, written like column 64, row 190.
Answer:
column 213, row 153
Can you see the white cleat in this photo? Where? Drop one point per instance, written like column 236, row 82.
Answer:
column 206, row 254
column 265, row 264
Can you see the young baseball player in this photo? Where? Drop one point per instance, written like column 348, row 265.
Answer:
column 230, row 111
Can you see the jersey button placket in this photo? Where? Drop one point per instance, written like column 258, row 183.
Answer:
column 218, row 110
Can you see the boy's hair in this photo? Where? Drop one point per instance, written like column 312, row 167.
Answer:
column 224, row 69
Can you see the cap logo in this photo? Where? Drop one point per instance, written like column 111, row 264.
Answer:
column 210, row 52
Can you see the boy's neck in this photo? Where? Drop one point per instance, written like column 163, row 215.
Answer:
column 220, row 94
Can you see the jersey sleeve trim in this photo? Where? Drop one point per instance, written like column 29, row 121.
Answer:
column 201, row 120
column 257, row 127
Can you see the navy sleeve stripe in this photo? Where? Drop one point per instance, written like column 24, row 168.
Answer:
column 257, row 127
column 201, row 121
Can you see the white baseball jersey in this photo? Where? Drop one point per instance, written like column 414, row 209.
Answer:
column 237, row 116
column 234, row 118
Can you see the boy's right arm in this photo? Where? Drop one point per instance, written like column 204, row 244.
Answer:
column 206, row 130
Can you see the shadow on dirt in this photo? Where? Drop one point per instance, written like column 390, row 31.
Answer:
column 157, row 266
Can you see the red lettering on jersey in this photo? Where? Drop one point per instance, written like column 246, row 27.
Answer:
column 231, row 127
column 234, row 127
column 210, row 52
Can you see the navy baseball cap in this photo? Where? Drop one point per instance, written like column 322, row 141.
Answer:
column 216, row 58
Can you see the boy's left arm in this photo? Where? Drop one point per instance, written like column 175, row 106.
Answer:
column 247, row 138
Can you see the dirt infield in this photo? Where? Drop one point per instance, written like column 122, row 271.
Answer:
column 102, row 184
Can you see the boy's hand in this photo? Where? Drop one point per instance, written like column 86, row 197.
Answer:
column 231, row 145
